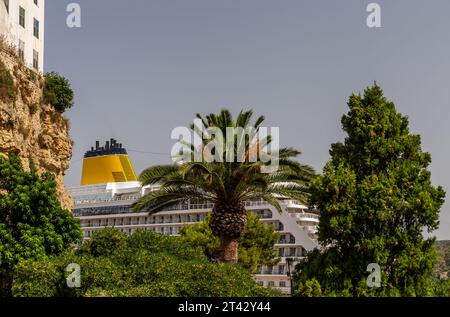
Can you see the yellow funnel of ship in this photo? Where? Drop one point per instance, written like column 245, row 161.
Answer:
column 107, row 164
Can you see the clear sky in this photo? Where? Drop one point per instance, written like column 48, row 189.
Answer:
column 142, row 67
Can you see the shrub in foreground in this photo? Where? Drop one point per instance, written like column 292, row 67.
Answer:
column 146, row 264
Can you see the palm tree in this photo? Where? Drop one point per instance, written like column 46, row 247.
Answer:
column 228, row 185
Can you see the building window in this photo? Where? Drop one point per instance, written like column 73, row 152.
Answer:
column 22, row 17
column 282, row 284
column 22, row 50
column 36, row 28
column 35, row 60
column 7, row 5
column 271, row 284
column 291, row 251
column 261, row 283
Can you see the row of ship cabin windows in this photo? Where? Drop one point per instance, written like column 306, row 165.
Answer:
column 281, row 284
column 130, row 231
column 279, row 269
column 291, row 251
column 143, row 220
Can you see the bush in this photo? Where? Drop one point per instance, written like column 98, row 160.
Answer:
column 57, row 91
column 146, row 264
column 310, row 288
column 41, row 279
column 33, row 225
column 8, row 90
column 104, row 242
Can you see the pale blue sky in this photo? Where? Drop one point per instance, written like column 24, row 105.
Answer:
column 141, row 67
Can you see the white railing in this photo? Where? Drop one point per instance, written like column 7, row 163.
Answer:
column 255, row 203
column 292, row 202
column 106, row 200
column 179, row 207
column 305, row 215
column 200, row 206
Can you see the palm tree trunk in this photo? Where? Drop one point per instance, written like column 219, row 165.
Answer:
column 228, row 250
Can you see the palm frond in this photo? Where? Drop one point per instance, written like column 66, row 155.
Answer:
column 225, row 182
column 157, row 173
column 168, row 197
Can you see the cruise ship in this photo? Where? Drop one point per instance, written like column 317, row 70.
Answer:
column 109, row 187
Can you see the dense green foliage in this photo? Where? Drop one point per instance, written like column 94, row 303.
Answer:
column 106, row 242
column 144, row 264
column 8, row 90
column 376, row 200
column 33, row 224
column 256, row 245
column 57, row 91
column 225, row 177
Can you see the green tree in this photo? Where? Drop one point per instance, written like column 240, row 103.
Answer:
column 256, row 245
column 226, row 184
column 146, row 264
column 105, row 242
column 32, row 223
column 57, row 91
column 376, row 200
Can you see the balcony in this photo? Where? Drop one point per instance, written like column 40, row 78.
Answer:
column 102, row 199
column 264, row 214
column 305, row 216
column 273, row 272
column 201, row 206
column 293, row 203
column 255, row 203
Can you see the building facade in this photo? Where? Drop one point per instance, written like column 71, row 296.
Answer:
column 105, row 204
column 22, row 25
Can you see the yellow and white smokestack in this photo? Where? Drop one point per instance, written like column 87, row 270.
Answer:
column 107, row 164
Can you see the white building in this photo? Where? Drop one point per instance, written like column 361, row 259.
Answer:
column 22, row 24
column 109, row 205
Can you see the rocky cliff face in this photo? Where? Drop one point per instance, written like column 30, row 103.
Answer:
column 29, row 127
